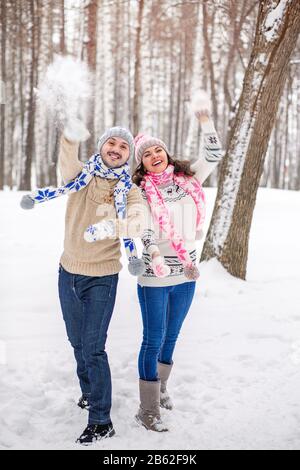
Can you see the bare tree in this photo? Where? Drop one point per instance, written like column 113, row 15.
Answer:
column 91, row 48
column 2, row 84
column 137, row 69
column 25, row 183
column 208, row 21
column 148, row 59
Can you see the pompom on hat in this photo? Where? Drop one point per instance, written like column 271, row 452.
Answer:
column 143, row 142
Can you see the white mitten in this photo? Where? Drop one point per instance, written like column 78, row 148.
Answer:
column 160, row 268
column 75, row 131
column 101, row 231
column 200, row 104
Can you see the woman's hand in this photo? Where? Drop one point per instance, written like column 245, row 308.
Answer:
column 159, row 266
column 203, row 116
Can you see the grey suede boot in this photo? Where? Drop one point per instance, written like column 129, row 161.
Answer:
column 149, row 412
column 164, row 371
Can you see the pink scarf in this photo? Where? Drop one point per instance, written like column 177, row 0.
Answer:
column 161, row 213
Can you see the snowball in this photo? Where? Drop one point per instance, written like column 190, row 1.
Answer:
column 75, row 131
column 66, row 90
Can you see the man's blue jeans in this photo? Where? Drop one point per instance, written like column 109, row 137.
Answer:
column 87, row 304
column 164, row 310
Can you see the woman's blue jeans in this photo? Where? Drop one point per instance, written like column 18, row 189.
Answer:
column 164, row 310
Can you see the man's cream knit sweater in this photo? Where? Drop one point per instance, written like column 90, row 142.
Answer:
column 89, row 206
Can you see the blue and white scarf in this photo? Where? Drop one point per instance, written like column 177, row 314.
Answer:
column 96, row 167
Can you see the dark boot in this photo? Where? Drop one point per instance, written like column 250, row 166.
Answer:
column 96, row 432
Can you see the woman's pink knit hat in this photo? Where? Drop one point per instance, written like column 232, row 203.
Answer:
column 143, row 142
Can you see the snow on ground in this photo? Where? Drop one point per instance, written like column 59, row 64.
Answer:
column 236, row 381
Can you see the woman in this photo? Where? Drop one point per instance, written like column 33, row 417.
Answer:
column 174, row 198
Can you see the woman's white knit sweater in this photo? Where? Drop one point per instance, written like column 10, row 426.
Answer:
column 183, row 213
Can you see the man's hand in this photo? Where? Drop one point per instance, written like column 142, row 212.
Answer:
column 102, row 231
column 75, row 131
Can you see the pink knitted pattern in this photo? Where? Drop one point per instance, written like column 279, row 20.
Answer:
column 161, row 213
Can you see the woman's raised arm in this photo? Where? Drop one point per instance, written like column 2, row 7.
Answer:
column 211, row 149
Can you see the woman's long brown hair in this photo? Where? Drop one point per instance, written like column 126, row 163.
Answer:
column 180, row 166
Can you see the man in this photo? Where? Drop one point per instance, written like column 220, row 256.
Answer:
column 88, row 272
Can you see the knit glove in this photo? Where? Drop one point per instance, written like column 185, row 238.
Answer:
column 191, row 272
column 75, row 131
column 160, row 268
column 101, row 231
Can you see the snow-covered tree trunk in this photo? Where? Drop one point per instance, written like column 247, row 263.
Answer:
column 278, row 27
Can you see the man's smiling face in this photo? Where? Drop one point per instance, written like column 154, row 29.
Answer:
column 115, row 152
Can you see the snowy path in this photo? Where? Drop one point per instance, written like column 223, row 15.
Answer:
column 236, row 382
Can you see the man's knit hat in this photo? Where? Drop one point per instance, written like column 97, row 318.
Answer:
column 143, row 142
column 117, row 132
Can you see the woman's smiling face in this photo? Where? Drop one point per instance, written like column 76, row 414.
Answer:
column 155, row 159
